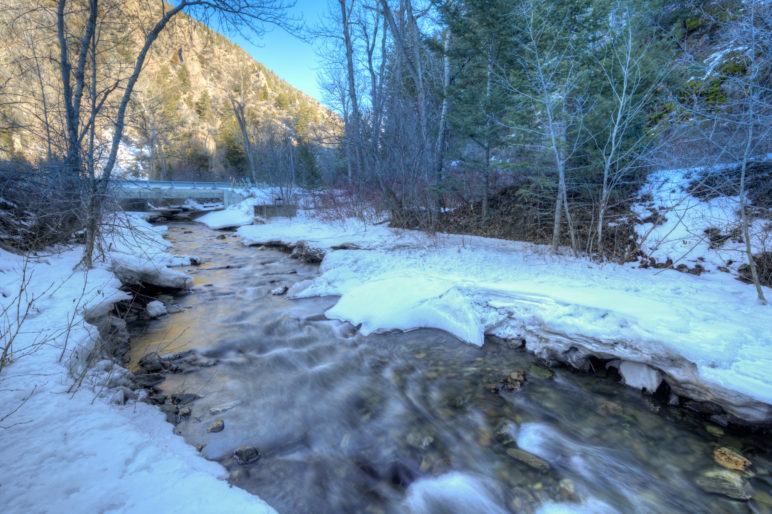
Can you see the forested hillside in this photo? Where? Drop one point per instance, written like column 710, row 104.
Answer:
column 541, row 121
column 183, row 119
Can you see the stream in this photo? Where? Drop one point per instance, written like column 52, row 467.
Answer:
column 416, row 421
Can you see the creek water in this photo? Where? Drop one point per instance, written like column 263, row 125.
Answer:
column 413, row 422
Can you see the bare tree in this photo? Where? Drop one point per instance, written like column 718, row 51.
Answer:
column 78, row 38
column 547, row 58
column 238, row 101
column 736, row 124
column 753, row 115
column 622, row 145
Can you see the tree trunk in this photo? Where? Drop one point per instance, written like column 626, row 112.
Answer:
column 238, row 111
column 487, row 166
column 352, row 92
column 440, row 146
column 744, row 219
column 558, row 209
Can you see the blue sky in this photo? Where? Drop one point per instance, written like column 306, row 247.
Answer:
column 291, row 59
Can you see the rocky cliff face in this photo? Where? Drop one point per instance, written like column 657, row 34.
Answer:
column 181, row 122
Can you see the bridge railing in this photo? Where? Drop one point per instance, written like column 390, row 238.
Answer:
column 176, row 184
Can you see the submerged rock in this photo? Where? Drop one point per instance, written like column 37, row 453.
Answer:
column 218, row 426
column 511, row 382
column 151, row 363
column 539, row 372
column 725, row 482
column 148, row 379
column 714, row 430
column 279, row 291
column 528, row 459
column 219, row 409
column 184, row 398
column 246, row 455
column 730, row 459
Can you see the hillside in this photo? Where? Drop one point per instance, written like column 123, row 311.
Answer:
column 181, row 123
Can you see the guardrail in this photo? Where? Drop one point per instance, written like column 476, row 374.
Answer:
column 177, row 184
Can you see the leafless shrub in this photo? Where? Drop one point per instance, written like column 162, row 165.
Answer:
column 39, row 205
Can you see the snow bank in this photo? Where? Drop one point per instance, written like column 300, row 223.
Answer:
column 701, row 332
column 234, row 216
column 407, row 302
column 65, row 452
column 326, row 236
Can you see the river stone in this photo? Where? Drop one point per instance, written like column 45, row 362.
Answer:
column 218, row 426
column 504, row 433
column 763, row 498
column 539, row 372
column 184, row 398
column 246, row 455
column 306, row 253
column 567, row 490
column 148, row 379
column 730, row 459
column 219, row 409
column 151, row 363
column 157, row 399
column 170, row 411
column 528, row 459
column 726, row 482
column 279, row 291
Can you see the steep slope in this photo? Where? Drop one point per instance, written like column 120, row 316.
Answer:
column 181, row 123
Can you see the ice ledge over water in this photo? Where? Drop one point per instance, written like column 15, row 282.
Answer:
column 699, row 334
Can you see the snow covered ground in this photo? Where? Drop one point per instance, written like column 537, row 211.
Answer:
column 242, row 213
column 706, row 335
column 684, row 233
column 84, row 451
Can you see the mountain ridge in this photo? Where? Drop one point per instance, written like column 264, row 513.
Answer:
column 182, row 116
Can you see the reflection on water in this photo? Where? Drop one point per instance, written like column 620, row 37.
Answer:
column 411, row 422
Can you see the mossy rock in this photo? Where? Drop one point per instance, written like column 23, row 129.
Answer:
column 693, row 24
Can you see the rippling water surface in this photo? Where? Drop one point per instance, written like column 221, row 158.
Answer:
column 405, row 422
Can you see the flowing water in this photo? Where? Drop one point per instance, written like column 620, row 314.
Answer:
column 413, row 422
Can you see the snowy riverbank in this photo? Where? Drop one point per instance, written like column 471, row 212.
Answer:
column 87, row 451
column 702, row 334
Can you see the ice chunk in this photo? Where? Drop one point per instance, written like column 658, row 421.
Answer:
column 640, row 376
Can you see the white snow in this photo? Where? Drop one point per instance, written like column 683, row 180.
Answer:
column 234, row 216
column 407, row 302
column 243, row 213
column 77, row 451
column 304, row 227
column 155, row 309
column 703, row 332
column 682, row 237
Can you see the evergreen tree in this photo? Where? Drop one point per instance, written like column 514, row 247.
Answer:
column 481, row 39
